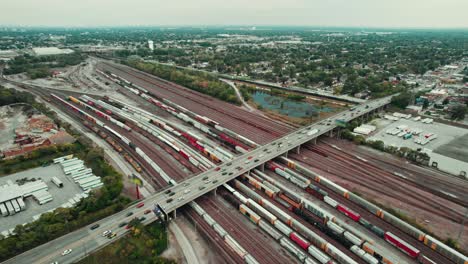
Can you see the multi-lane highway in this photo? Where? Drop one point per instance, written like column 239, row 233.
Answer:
column 85, row 240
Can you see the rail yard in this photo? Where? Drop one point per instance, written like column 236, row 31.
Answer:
column 301, row 207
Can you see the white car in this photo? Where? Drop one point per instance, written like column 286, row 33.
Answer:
column 66, row 252
column 105, row 233
column 187, row 191
column 180, row 198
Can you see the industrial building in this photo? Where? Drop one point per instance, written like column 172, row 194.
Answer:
column 47, row 51
column 12, row 195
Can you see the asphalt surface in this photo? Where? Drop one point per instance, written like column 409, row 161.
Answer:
column 85, row 241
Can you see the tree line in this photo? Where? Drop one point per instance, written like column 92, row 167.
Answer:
column 194, row 80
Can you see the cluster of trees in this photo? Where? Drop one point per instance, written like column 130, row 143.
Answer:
column 99, row 204
column 458, row 112
column 402, row 100
column 39, row 66
column 195, row 80
column 143, row 244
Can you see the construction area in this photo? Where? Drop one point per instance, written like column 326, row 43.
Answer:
column 24, row 129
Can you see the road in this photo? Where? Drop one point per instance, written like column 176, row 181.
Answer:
column 239, row 95
column 85, row 241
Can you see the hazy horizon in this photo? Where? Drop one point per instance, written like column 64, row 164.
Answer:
column 302, row 13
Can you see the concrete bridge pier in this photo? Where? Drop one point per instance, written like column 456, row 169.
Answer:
column 262, row 167
column 174, row 214
column 297, row 149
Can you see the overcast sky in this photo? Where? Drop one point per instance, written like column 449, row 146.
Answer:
column 353, row 13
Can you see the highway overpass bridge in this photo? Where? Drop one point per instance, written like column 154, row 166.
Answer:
column 84, row 240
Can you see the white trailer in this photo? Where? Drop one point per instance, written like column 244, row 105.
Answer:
column 16, row 206
column 57, row 182
column 4, row 209
column 10, row 208
column 21, row 203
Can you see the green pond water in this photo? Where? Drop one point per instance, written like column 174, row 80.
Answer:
column 287, row 107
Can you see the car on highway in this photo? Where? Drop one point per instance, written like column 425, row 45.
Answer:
column 142, row 218
column 167, row 192
column 169, row 200
column 217, row 169
column 201, row 188
column 207, row 181
column 106, row 233
column 229, row 164
column 129, row 214
column 172, row 193
column 205, row 178
column 94, row 226
column 180, row 198
column 186, row 191
column 186, row 184
column 122, row 224
column 110, row 236
column 256, row 160
column 224, row 173
column 66, row 251
column 215, row 181
column 147, row 211
column 140, row 205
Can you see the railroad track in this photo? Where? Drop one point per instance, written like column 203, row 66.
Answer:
column 342, row 168
column 394, row 183
column 209, row 106
column 433, row 255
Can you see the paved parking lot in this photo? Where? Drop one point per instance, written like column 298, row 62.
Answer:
column 60, row 195
column 447, row 141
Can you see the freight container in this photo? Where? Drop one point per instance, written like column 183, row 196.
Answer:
column 219, row 230
column 282, row 228
column 402, row 245
column 300, row 241
column 330, row 201
column 352, row 238
column 293, row 249
column 335, row 228
column 309, row 261
column 318, row 254
column 209, row 220
column 348, row 212
column 249, row 259
column 270, row 230
column 235, row 246
column 339, row 255
column 261, row 211
column 249, row 213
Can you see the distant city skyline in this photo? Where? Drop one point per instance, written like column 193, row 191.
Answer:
column 331, row 13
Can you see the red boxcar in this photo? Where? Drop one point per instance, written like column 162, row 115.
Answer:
column 299, row 240
column 348, row 212
column 401, row 244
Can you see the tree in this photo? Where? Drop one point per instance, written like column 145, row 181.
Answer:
column 402, row 100
column 458, row 112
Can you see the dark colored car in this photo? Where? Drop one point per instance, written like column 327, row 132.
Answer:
column 129, row 213
column 122, row 224
column 94, row 226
